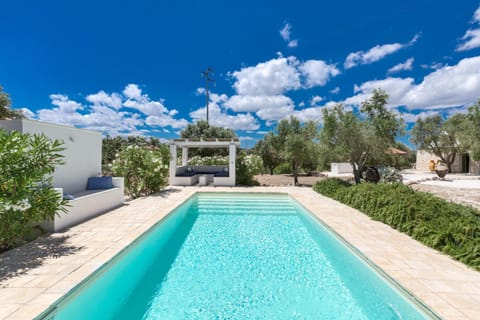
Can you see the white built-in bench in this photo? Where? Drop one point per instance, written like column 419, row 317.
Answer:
column 87, row 204
column 203, row 175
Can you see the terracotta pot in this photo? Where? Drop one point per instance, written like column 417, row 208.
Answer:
column 441, row 173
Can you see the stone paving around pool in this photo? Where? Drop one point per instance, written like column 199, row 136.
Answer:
column 34, row 276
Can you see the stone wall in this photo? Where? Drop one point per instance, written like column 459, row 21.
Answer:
column 424, row 157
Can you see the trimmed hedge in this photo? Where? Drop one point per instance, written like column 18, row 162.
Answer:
column 448, row 227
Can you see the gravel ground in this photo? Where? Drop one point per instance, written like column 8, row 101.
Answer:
column 286, row 180
column 468, row 196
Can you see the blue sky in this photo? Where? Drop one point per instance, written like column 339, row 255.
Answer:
column 133, row 67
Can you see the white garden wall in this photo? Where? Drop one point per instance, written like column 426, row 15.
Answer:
column 83, row 153
column 341, row 168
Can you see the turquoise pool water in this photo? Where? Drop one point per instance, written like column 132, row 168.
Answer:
column 238, row 256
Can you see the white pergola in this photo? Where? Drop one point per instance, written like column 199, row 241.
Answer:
column 190, row 175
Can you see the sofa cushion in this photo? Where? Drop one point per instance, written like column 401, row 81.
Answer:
column 104, row 182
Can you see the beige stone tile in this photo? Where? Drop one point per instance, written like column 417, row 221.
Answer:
column 472, row 313
column 7, row 309
column 19, row 295
column 462, row 301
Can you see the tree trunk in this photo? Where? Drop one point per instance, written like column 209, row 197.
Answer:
column 357, row 176
column 450, row 161
column 271, row 171
column 295, row 173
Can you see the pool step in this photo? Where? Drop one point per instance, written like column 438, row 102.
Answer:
column 242, row 211
column 240, row 202
column 245, row 207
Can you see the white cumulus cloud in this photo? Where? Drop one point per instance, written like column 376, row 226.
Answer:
column 239, row 103
column 278, row 75
column 317, row 72
column 375, row 53
column 446, row 87
column 268, row 78
column 407, row 65
column 132, row 91
column 112, row 114
column 101, row 98
column 64, row 104
column 314, row 113
column 315, row 100
column 471, row 38
column 219, row 118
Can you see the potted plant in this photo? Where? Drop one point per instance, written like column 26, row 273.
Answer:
column 441, row 169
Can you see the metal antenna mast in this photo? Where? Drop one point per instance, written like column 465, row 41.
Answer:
column 206, row 74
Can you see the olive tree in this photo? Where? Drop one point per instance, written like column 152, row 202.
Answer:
column 268, row 149
column 5, row 111
column 358, row 137
column 441, row 137
column 201, row 129
column 297, row 143
column 470, row 136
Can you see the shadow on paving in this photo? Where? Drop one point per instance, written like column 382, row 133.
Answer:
column 31, row 255
column 165, row 193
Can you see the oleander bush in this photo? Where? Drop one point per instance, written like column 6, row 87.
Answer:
column 448, row 227
column 27, row 196
column 144, row 168
column 214, row 160
column 246, row 167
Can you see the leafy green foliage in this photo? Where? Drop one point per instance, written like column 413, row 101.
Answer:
column 5, row 111
column 329, row 187
column 26, row 193
column 201, row 129
column 269, row 150
column 470, row 136
column 358, row 138
column 292, row 150
column 447, row 227
column 145, row 169
column 246, row 167
column 397, row 161
column 111, row 148
column 283, row 168
column 441, row 137
column 297, row 145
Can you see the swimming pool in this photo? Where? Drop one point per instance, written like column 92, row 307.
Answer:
column 238, row 256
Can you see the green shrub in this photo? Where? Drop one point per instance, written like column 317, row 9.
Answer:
column 145, row 169
column 284, row 168
column 329, row 187
column 451, row 228
column 245, row 170
column 26, row 193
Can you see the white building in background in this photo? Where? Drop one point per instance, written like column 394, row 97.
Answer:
column 463, row 162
